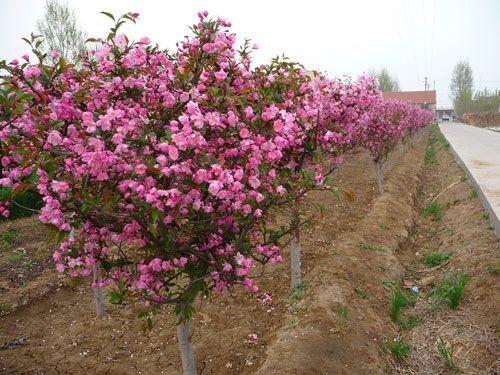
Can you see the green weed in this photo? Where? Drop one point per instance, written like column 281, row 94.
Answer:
column 433, row 209
column 387, row 282
column 431, row 232
column 434, row 258
column 4, row 308
column 297, row 293
column 361, row 292
column 472, row 195
column 411, row 321
column 493, row 269
column 399, row 299
column 451, row 289
column 19, row 255
column 399, row 348
column 447, row 353
column 8, row 237
column 343, row 318
column 369, row 246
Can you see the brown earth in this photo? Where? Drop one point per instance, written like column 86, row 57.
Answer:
column 337, row 325
column 465, row 234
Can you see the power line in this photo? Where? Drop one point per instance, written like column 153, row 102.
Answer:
column 424, row 29
column 402, row 44
column 410, row 37
column 433, row 34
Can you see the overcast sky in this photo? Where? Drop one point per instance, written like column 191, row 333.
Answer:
column 413, row 39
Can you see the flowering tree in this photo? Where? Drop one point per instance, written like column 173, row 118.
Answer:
column 162, row 171
column 157, row 169
column 387, row 122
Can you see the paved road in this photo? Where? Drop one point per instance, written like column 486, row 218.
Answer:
column 478, row 150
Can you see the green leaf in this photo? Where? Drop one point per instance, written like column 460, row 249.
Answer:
column 109, row 15
column 115, row 298
column 335, row 190
column 5, row 193
column 150, row 324
column 61, row 236
column 153, row 229
column 155, row 215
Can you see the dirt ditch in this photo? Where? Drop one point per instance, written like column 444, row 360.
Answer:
column 452, row 237
column 338, row 323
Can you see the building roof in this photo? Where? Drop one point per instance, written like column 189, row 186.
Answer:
column 417, row 97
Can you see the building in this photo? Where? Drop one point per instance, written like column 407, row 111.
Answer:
column 448, row 111
column 424, row 99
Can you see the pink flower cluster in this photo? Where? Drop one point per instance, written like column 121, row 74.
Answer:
column 166, row 168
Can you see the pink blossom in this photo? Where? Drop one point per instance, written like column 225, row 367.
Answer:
column 54, row 138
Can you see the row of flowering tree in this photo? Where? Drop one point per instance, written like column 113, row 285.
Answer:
column 161, row 171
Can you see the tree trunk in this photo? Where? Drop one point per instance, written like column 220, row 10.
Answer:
column 98, row 291
column 186, row 349
column 295, row 259
column 389, row 163
column 378, row 172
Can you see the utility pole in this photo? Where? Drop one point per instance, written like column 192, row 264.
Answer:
column 434, row 85
column 425, row 83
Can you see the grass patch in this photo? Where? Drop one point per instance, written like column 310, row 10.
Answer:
column 19, row 256
column 493, row 269
column 343, row 318
column 431, row 232
column 361, row 292
column 4, row 308
column 8, row 237
column 297, row 293
column 472, row 195
column 433, row 209
column 447, row 353
column 399, row 299
column 451, row 289
column 435, row 138
column 369, row 246
column 399, row 348
column 410, row 267
column 387, row 282
column 434, row 258
column 412, row 320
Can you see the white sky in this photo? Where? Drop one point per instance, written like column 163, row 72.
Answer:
column 413, row 39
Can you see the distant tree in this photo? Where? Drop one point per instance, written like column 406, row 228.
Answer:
column 387, row 81
column 60, row 31
column 462, row 83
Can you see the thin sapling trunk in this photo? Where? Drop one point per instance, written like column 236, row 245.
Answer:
column 186, row 348
column 378, row 173
column 98, row 291
column 295, row 252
